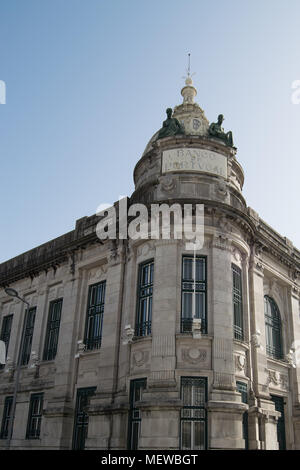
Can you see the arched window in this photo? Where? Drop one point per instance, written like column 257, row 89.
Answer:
column 273, row 328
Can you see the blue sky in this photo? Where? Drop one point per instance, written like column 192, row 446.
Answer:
column 88, row 82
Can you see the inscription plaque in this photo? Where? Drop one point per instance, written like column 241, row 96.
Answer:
column 194, row 160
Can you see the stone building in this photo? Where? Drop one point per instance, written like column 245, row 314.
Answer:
column 145, row 344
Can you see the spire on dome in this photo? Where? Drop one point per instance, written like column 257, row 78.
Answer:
column 189, row 91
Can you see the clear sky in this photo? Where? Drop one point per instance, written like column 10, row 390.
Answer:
column 88, row 82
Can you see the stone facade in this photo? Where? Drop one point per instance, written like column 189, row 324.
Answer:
column 66, row 267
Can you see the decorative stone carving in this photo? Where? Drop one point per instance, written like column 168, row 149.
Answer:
column 240, row 363
column 221, row 242
column 97, row 272
column 292, row 357
column 128, row 334
column 277, row 379
column 116, row 254
column 34, row 364
column 145, row 248
column 221, row 189
column 139, row 358
column 224, row 224
column 194, row 355
column 168, row 184
column 9, row 368
column 256, row 341
column 80, row 349
column 237, row 255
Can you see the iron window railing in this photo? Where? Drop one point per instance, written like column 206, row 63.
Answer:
column 187, row 292
column 193, row 420
column 35, row 416
column 144, row 299
column 5, row 333
column 6, row 417
column 242, row 388
column 28, row 334
column 94, row 320
column 238, row 328
column 273, row 329
column 52, row 333
column 81, row 418
column 137, row 387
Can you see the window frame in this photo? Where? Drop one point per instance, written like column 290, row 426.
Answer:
column 35, row 416
column 144, row 328
column 80, row 429
column 237, row 300
column 91, row 341
column 5, row 336
column 134, row 414
column 6, row 417
column 189, row 320
column 25, row 348
column 204, row 381
column 49, row 354
column 274, row 351
column 242, row 388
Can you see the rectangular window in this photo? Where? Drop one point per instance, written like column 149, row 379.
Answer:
column 6, row 417
column 94, row 320
column 241, row 387
column 52, row 333
column 279, row 406
column 35, row 416
column 193, row 419
column 189, row 288
column 144, row 299
column 28, row 334
column 238, row 329
column 81, row 418
column 5, row 333
column 136, row 393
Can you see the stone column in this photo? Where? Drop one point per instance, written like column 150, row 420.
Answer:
column 104, row 415
column 263, row 410
column 160, row 417
column 225, row 407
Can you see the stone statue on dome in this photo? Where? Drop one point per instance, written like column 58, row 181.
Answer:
column 216, row 130
column 171, row 126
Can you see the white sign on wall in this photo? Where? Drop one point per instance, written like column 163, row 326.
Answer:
column 194, row 160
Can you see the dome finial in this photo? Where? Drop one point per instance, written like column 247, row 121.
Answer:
column 189, row 91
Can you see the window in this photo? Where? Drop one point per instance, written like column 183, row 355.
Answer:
column 193, row 434
column 273, row 328
column 241, row 387
column 279, row 406
column 144, row 301
column 237, row 303
column 5, row 333
column 35, row 416
column 6, row 417
column 136, row 393
column 95, row 310
column 52, row 333
column 81, row 419
column 28, row 334
column 187, row 293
